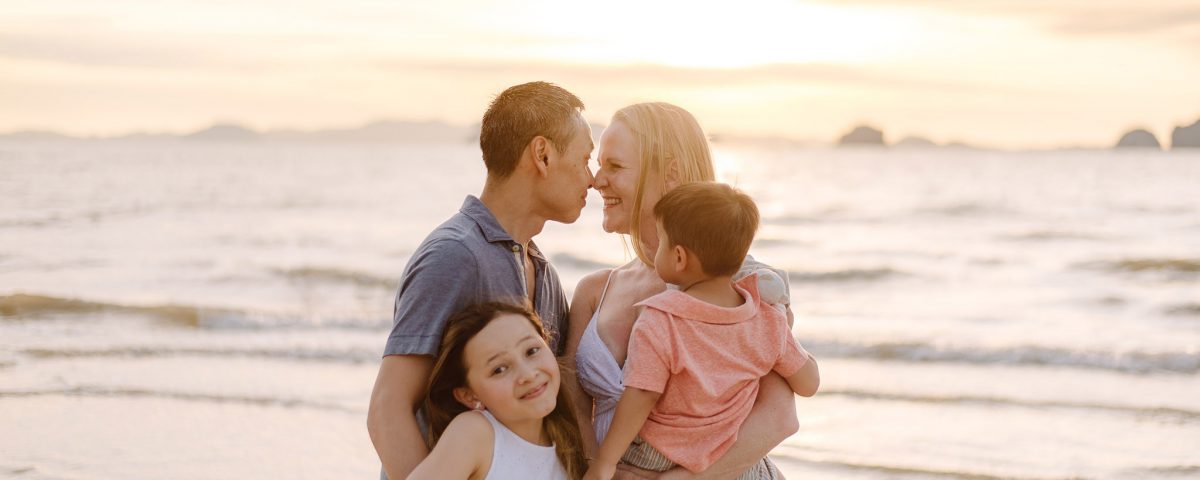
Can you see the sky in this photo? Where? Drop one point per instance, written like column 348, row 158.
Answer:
column 1003, row 73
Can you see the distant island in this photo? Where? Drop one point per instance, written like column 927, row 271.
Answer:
column 436, row 132
column 383, row 131
column 863, row 136
column 1186, row 137
column 1139, row 138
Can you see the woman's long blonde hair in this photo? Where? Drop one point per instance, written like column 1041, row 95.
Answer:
column 666, row 134
column 450, row 372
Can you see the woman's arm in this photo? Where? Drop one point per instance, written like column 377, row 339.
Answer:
column 583, row 305
column 463, row 452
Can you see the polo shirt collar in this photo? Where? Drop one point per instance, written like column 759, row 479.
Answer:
column 680, row 304
column 474, row 208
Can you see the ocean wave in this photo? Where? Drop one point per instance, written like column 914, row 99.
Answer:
column 1157, row 412
column 95, row 391
column 345, row 355
column 21, row 304
column 567, row 260
column 783, row 454
column 1183, row 471
column 1169, row 266
column 1050, row 235
column 18, row 305
column 848, row 275
column 965, row 209
column 1126, row 362
column 337, row 275
column 1183, row 310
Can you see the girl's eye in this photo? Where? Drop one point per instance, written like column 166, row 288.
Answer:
column 533, row 351
column 500, row 369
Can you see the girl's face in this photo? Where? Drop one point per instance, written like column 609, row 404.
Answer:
column 617, row 180
column 511, row 371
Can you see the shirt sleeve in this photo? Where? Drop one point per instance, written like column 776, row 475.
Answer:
column 792, row 356
column 441, row 279
column 649, row 361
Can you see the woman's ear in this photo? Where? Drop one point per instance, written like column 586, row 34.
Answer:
column 468, row 399
column 671, row 175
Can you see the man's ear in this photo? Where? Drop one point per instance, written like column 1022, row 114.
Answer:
column 671, row 175
column 681, row 258
column 465, row 397
column 540, row 148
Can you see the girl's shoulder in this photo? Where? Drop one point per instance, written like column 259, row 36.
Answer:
column 469, row 426
column 463, row 451
column 474, row 437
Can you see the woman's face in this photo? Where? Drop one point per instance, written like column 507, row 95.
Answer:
column 511, row 371
column 617, row 182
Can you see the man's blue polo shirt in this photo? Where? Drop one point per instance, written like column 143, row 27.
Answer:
column 469, row 259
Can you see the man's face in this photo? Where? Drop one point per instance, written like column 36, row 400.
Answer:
column 570, row 176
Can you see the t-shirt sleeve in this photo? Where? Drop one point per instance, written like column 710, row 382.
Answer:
column 792, row 356
column 649, row 361
column 441, row 279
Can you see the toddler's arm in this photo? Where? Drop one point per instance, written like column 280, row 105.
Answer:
column 807, row 379
column 632, row 411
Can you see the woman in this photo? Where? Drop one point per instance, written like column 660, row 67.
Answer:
column 647, row 150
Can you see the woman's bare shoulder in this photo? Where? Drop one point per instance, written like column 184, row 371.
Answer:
column 588, row 288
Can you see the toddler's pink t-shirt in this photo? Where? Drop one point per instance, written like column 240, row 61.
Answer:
column 706, row 361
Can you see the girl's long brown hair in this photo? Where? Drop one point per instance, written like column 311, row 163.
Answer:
column 450, row 372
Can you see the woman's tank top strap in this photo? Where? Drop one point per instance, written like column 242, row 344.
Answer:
column 514, row 457
column 603, row 292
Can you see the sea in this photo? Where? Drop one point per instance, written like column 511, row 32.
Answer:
column 203, row 310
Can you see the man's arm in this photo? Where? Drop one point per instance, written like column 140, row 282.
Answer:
column 632, row 411
column 391, row 417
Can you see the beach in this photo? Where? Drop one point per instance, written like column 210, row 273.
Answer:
column 190, row 309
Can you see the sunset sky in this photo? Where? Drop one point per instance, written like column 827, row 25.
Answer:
column 1012, row 74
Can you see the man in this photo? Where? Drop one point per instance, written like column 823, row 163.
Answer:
column 536, row 147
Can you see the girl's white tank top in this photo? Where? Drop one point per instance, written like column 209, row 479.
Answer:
column 515, row 458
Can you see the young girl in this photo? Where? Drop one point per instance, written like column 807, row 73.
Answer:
column 494, row 405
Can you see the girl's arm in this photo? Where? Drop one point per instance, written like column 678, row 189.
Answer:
column 464, row 451
column 583, row 305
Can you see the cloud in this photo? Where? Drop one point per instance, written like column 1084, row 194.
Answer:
column 1073, row 17
column 676, row 76
column 96, row 51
